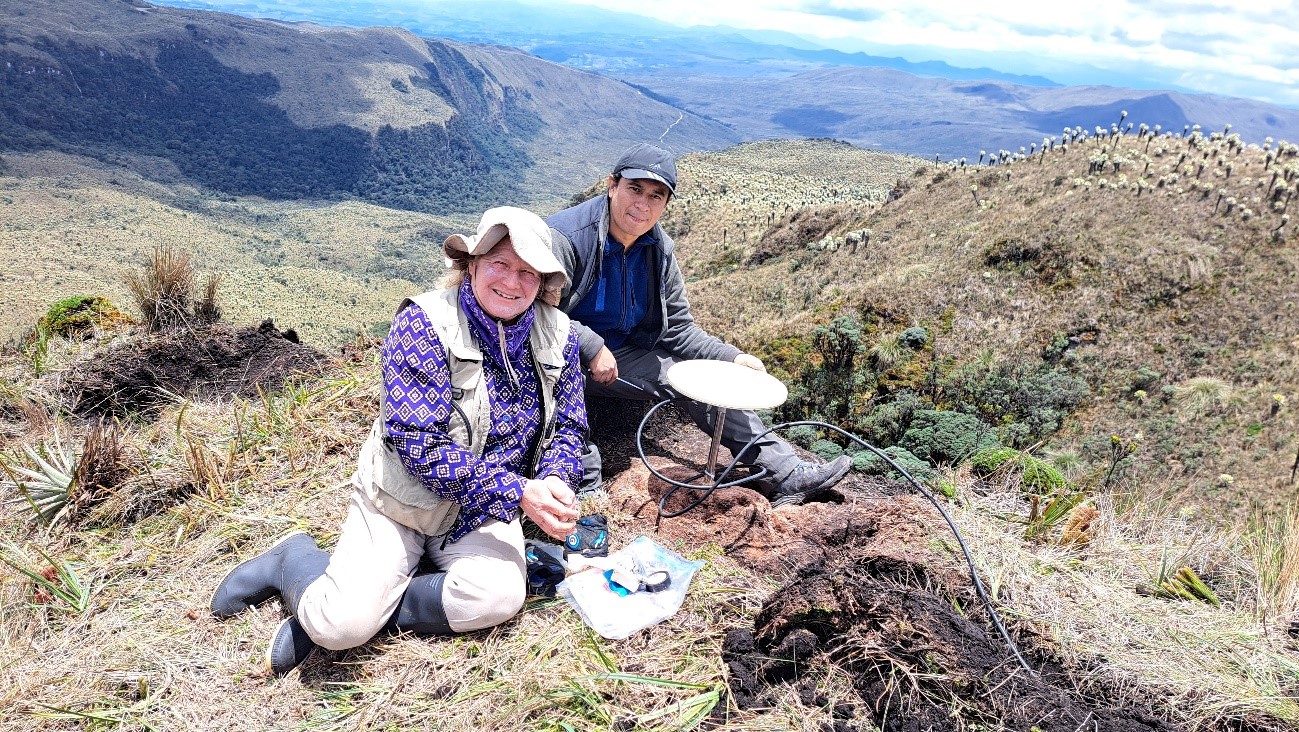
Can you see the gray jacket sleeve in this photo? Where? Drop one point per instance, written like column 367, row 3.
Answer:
column 681, row 335
column 589, row 342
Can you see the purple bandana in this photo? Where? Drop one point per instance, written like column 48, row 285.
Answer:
column 484, row 328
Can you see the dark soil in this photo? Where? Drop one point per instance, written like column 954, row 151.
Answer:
column 207, row 362
column 863, row 591
column 917, row 663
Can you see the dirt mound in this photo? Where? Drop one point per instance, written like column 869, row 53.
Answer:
column 863, row 592
column 917, row 663
column 207, row 362
column 742, row 522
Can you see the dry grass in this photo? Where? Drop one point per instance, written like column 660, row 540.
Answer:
column 1206, row 667
column 72, row 227
column 227, row 479
column 217, row 483
column 1273, row 546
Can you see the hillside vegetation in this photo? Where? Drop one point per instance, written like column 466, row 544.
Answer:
column 1134, row 287
column 1092, row 358
column 281, row 111
column 70, row 226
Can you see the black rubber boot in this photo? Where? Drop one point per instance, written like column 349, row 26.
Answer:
column 259, row 579
column 290, row 644
column 420, row 610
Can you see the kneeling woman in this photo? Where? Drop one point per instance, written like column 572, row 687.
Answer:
column 482, row 418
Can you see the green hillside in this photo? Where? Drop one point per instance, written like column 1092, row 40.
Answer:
column 327, row 269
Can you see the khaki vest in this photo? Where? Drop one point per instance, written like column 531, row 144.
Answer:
column 403, row 497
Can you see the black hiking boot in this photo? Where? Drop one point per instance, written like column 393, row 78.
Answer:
column 809, row 480
column 420, row 610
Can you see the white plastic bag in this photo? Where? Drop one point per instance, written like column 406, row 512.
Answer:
column 616, row 616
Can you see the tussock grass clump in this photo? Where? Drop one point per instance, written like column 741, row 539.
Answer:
column 888, row 351
column 164, row 291
column 1273, row 544
column 1201, row 394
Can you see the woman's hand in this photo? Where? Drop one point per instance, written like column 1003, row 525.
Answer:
column 551, row 505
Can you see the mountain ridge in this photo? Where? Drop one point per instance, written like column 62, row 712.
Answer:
column 783, row 81
column 265, row 108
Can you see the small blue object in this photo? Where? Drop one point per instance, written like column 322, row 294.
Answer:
column 545, row 572
column 618, row 589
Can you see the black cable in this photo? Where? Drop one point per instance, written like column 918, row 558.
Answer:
column 719, row 482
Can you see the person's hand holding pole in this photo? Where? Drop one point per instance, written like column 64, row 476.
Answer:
column 604, row 367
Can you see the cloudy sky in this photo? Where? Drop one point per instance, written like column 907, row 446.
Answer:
column 1237, row 48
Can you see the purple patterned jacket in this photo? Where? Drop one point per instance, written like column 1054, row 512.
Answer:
column 419, row 407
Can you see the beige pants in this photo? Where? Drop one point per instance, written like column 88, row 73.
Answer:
column 372, row 563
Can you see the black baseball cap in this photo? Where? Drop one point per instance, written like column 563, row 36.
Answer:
column 648, row 161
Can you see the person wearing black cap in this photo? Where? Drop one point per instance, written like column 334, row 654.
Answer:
column 627, row 298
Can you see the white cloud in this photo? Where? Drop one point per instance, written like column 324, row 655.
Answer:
column 1220, row 46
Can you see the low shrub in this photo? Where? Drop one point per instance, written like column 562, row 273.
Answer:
column 869, row 463
column 826, row 449
column 802, row 435
column 1028, row 402
column 914, row 338
column 886, row 423
column 946, row 437
column 1036, row 476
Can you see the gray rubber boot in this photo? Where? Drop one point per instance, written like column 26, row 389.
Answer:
column 420, row 610
column 259, row 579
column 290, row 645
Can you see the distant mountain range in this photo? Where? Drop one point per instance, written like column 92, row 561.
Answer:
column 928, row 116
column 769, row 84
column 255, row 107
column 307, row 106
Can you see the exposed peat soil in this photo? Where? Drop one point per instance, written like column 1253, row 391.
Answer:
column 868, row 587
column 208, row 362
